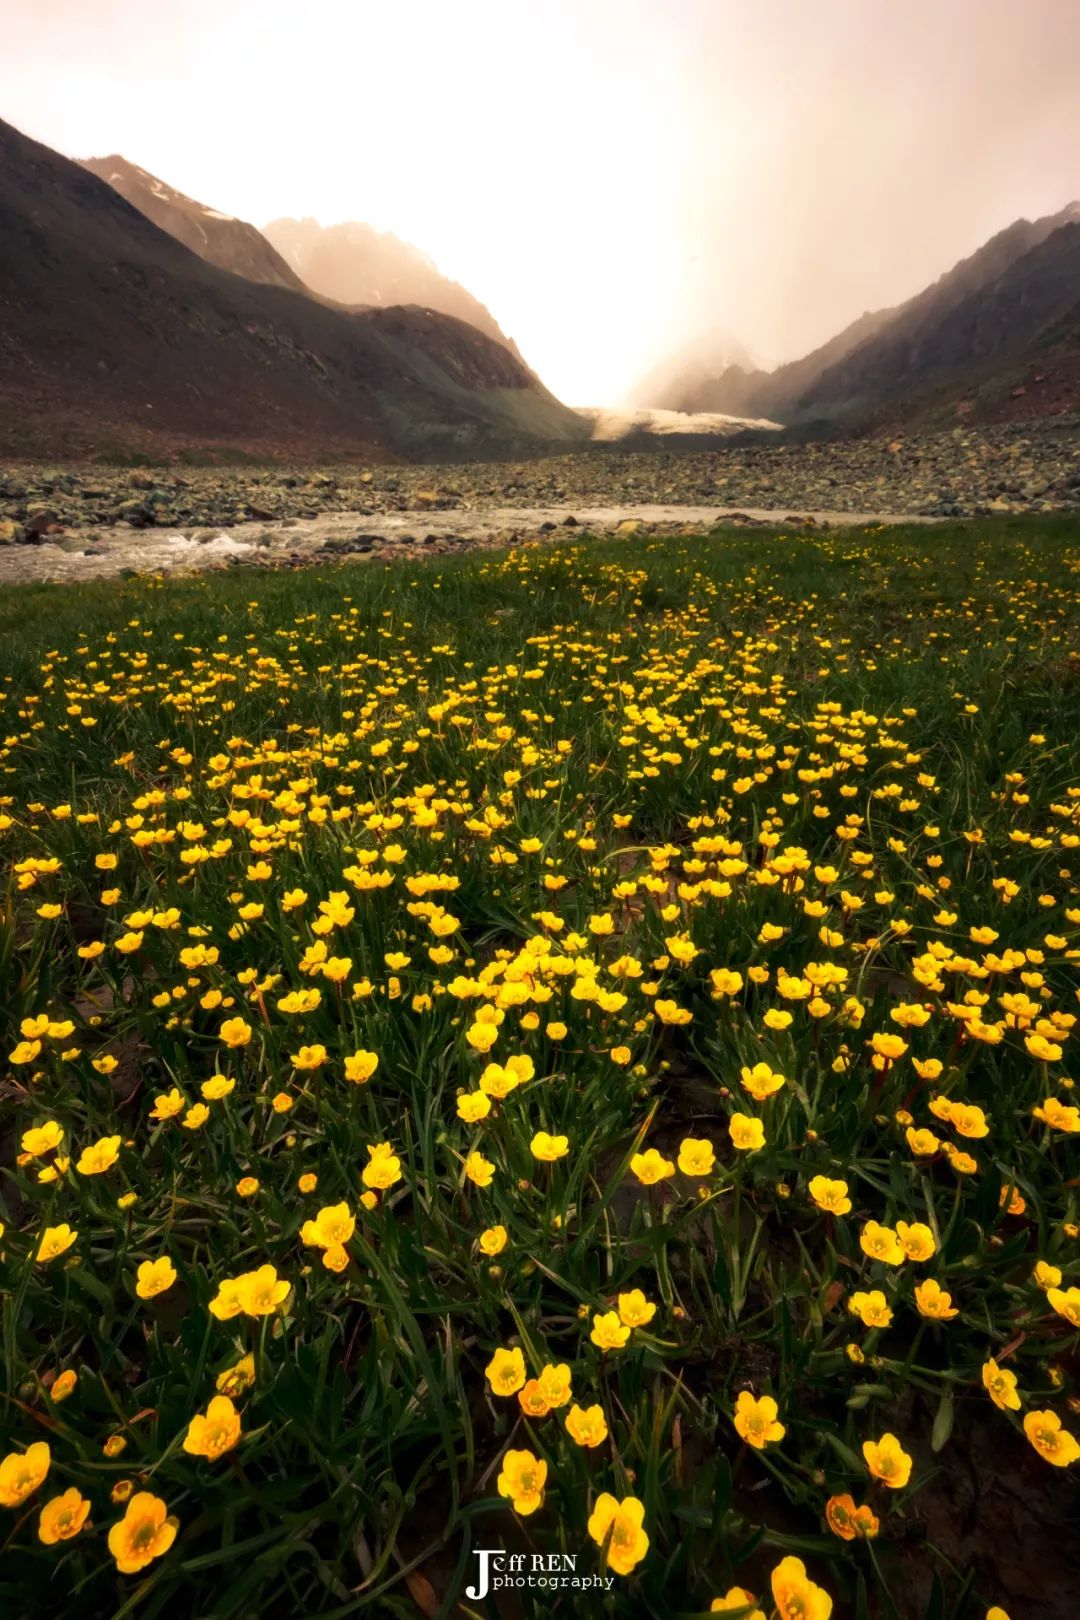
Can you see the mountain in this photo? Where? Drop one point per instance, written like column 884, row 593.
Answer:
column 989, row 316
column 355, row 264
column 229, row 243
column 115, row 338
column 690, row 373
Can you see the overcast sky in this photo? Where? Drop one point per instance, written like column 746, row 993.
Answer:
column 612, row 178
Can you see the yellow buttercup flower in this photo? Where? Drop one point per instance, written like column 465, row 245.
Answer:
column 608, row 1331
column 634, row 1309
column 144, row 1533
column 756, row 1420
column 63, row 1517
column 154, row 1277
column 586, row 1426
column 505, row 1372
column 795, row 1595
column 650, row 1167
column 549, row 1148
column 1053, row 1443
column 21, row 1472
column 217, row 1432
column 54, row 1241
column 1000, row 1385
column 99, row 1156
column 618, row 1527
column 888, row 1461
column 697, row 1157
column 830, row 1194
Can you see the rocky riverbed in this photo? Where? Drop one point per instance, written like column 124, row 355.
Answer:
column 72, row 522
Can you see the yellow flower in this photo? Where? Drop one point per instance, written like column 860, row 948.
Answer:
column 871, row 1308
column 737, row 1598
column 634, row 1309
column 235, row 1032
column 916, row 1240
column 669, row 1012
column 618, row 1526
column 332, row 1227
column 1050, row 1440
column 261, row 1292
column 473, row 1106
column 608, row 1333
column 54, row 1241
column 493, row 1240
column 167, row 1105
column 522, row 1481
column 63, row 1517
column 1066, row 1302
column 586, row 1426
column 63, row 1384
column 923, row 1143
column 697, row 1157
column 154, row 1277
column 756, row 1420
column 1000, row 1385
column 968, row 1120
column 1046, row 1275
column 143, row 1534
column 887, row 1461
column 747, row 1134
column 42, row 1139
column 309, row 1057
column 934, row 1301
column 235, row 1380
column 650, row 1167
column 383, row 1168
column 99, row 1156
column 881, row 1243
column 761, row 1082
column 505, row 1372
column 848, row 1521
column 795, row 1595
column 549, row 1148
column 217, row 1087
column 211, row 1436
column 21, row 1472
column 1059, row 1116
column 360, row 1066
column 830, row 1195
column 554, row 1382
column 478, row 1170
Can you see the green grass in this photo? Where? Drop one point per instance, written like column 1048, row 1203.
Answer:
column 818, row 762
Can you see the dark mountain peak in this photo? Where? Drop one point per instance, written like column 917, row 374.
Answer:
column 230, row 243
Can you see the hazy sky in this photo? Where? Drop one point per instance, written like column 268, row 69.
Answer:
column 612, row 177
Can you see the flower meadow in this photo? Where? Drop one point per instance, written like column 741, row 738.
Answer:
column 568, row 1051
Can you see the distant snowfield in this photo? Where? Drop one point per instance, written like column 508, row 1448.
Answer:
column 611, row 426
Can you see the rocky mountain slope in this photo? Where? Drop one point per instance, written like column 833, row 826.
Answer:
column 355, row 264
column 231, row 244
column 957, row 347
column 115, row 339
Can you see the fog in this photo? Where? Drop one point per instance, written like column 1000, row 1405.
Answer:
column 613, row 178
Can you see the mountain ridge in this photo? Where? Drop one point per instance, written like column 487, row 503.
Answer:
column 116, row 338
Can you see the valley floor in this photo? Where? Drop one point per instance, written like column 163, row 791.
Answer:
column 128, row 518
